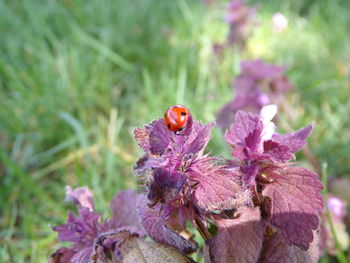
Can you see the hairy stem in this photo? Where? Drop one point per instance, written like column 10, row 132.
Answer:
column 201, row 229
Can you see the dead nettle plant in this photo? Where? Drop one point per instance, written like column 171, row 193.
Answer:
column 240, row 19
column 257, row 85
column 257, row 206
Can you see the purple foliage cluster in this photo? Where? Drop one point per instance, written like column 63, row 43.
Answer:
column 257, row 85
column 88, row 234
column 264, row 208
column 255, row 207
column 239, row 18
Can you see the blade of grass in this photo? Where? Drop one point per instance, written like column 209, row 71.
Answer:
column 26, row 180
column 104, row 50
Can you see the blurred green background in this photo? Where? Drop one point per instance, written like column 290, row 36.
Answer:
column 77, row 76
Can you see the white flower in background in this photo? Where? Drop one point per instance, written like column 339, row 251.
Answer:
column 279, row 22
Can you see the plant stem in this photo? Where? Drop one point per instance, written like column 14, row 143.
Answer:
column 340, row 255
column 201, row 229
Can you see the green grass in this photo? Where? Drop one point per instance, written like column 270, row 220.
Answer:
column 77, row 76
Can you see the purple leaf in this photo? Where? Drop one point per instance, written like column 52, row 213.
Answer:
column 154, row 138
column 294, row 140
column 237, row 240
column 198, row 138
column 277, row 251
column 249, row 173
column 277, row 152
column 245, row 124
column 154, row 223
column 215, row 186
column 165, row 185
column 80, row 196
column 241, row 153
column 296, row 204
column 81, row 230
column 123, row 207
column 252, row 141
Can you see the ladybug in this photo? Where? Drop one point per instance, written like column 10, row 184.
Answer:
column 176, row 118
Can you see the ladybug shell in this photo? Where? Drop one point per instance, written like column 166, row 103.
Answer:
column 176, row 118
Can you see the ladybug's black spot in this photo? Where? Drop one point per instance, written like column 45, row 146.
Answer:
column 169, row 126
column 183, row 113
column 180, row 129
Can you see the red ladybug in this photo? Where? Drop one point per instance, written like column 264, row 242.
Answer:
column 176, row 118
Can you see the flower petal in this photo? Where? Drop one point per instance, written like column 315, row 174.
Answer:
column 80, row 196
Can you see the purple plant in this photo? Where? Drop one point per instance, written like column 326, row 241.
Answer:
column 287, row 200
column 264, row 209
column 255, row 207
column 239, row 18
column 86, row 230
column 183, row 183
column 257, row 85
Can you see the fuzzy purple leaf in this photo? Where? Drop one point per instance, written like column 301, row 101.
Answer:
column 250, row 172
column 83, row 229
column 237, row 240
column 80, row 229
column 154, row 138
column 294, row 140
column 277, row 152
column 198, row 138
column 216, row 186
column 164, row 185
column 245, row 125
column 155, row 225
column 296, row 203
column 123, row 207
column 277, row 251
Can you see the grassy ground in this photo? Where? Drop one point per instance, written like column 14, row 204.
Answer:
column 77, row 76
